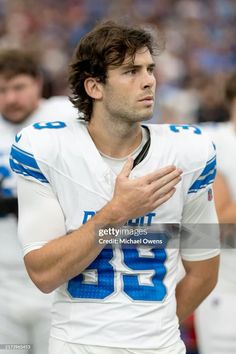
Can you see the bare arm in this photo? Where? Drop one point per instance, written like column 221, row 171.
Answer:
column 65, row 257
column 226, row 208
column 199, row 281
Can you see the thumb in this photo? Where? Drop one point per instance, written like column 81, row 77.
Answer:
column 127, row 168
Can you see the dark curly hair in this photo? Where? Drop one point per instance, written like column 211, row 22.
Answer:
column 107, row 44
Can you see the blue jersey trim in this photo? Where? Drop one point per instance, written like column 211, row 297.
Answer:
column 23, row 157
column 24, row 163
column 21, row 170
column 210, row 165
column 207, row 176
column 196, row 186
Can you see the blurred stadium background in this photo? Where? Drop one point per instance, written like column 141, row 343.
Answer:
column 199, row 55
column 200, row 48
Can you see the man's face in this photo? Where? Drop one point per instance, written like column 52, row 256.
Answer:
column 19, row 96
column 129, row 91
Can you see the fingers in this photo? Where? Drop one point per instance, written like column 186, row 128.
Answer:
column 127, row 168
column 167, row 188
column 166, row 182
column 153, row 176
column 143, row 194
column 164, row 198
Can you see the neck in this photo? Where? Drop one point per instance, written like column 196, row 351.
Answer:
column 115, row 139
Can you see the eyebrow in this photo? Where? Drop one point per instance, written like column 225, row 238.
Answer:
column 134, row 66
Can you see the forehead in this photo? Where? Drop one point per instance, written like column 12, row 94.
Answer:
column 17, row 79
column 141, row 57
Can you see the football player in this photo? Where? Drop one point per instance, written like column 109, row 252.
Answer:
column 105, row 170
column 24, row 311
column 219, row 307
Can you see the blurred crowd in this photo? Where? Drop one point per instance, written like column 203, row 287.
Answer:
column 199, row 55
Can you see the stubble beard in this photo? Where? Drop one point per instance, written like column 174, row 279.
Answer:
column 18, row 118
column 122, row 115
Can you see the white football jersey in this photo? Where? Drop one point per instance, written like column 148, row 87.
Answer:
column 126, row 297
column 11, row 261
column 224, row 137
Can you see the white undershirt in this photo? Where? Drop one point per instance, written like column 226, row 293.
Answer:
column 116, row 164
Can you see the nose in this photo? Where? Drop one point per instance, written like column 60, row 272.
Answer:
column 10, row 96
column 148, row 80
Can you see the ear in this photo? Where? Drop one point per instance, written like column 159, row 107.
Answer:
column 93, row 88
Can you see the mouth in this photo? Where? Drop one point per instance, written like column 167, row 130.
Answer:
column 13, row 109
column 148, row 100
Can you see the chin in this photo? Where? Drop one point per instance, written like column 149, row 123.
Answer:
column 16, row 119
column 147, row 118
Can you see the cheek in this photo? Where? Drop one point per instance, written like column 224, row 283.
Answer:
column 29, row 98
column 126, row 96
column 119, row 97
column 124, row 101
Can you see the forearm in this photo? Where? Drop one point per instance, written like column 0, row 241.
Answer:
column 225, row 206
column 190, row 292
column 67, row 256
column 227, row 214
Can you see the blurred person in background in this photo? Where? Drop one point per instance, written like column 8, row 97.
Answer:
column 211, row 101
column 216, row 317
column 24, row 310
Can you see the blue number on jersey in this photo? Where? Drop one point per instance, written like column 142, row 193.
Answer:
column 106, row 276
column 176, row 128
column 132, row 288
column 104, row 279
column 49, row 125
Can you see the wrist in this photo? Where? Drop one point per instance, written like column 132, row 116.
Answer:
column 111, row 214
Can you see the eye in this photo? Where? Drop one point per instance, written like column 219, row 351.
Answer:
column 131, row 71
column 151, row 70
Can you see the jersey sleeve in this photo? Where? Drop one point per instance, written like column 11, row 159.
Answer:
column 194, row 152
column 200, row 234
column 200, row 229
column 23, row 161
column 41, row 218
column 203, row 177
